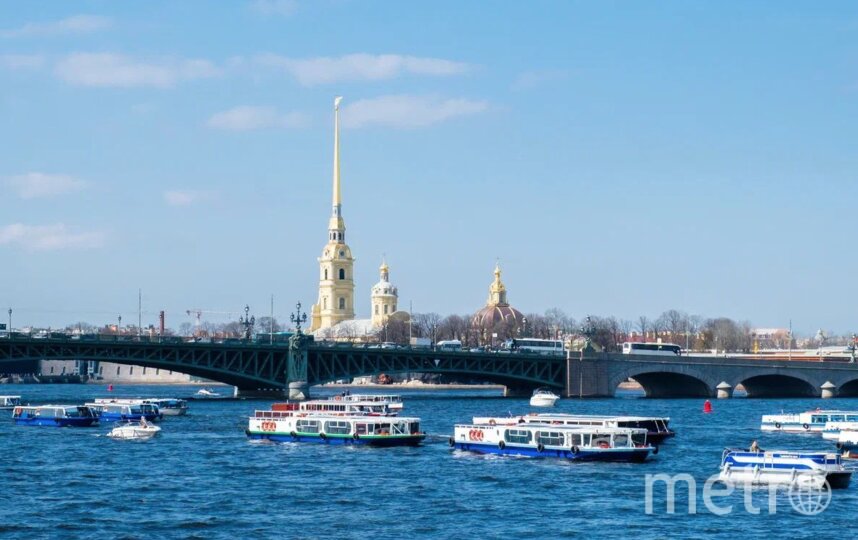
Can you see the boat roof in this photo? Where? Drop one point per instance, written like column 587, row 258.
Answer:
column 365, row 417
column 561, row 427
column 3, row 397
column 340, row 402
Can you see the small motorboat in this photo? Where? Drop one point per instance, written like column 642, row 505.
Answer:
column 206, row 393
column 784, row 467
column 141, row 430
column 543, row 397
column 847, row 443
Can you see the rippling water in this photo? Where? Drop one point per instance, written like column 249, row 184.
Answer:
column 201, row 478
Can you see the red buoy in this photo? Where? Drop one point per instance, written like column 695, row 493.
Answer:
column 707, row 407
column 110, row 388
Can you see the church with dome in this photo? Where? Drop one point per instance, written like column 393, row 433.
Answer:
column 333, row 315
column 497, row 316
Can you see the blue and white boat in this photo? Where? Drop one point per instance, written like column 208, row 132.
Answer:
column 658, row 428
column 806, row 422
column 169, row 406
column 55, row 415
column 125, row 410
column 345, row 429
column 784, row 467
column 577, row 443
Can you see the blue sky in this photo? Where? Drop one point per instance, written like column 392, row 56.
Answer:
column 618, row 158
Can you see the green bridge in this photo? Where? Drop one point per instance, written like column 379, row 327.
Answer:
column 290, row 369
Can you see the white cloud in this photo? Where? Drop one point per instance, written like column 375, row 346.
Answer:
column 185, row 197
column 109, row 69
column 407, row 111
column 360, row 67
column 274, row 7
column 48, row 237
column 246, row 118
column 34, row 184
column 22, row 61
column 78, row 24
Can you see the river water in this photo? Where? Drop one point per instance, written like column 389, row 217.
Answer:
column 201, row 478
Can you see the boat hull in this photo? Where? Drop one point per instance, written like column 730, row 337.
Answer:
column 350, row 440
column 174, row 412
column 540, row 401
column 623, row 455
column 57, row 422
column 786, row 477
column 112, row 417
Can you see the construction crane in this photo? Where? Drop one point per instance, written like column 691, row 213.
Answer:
column 198, row 315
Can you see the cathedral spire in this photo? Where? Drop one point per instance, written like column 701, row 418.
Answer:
column 336, row 226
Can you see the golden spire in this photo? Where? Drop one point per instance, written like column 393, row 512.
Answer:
column 497, row 290
column 337, row 200
column 336, row 226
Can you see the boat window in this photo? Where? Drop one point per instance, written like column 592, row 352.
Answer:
column 621, row 440
column 521, row 436
column 836, row 418
column 639, row 439
column 818, row 418
column 601, row 441
column 382, row 429
column 550, row 438
column 360, row 429
column 414, row 427
column 307, row 426
column 575, row 439
column 852, row 417
column 399, row 428
column 337, row 427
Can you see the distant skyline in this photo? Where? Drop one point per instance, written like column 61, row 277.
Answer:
column 618, row 159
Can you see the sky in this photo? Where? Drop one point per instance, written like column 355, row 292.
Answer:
column 617, row 158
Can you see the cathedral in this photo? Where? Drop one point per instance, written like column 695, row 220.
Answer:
column 333, row 316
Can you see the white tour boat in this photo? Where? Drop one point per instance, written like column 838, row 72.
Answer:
column 347, row 429
column 206, row 393
column 658, row 428
column 7, row 403
column 806, row 422
column 141, row 430
column 543, row 397
column 393, row 401
column 832, row 430
column 784, row 467
column 847, row 442
column 577, row 443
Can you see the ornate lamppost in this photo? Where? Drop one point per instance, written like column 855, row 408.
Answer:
column 588, row 331
column 247, row 322
column 297, row 318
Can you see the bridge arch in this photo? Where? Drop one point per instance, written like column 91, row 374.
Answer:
column 848, row 388
column 667, row 381
column 771, row 383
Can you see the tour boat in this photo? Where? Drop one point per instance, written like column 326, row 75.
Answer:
column 658, row 428
column 166, row 406
column 55, row 415
column 577, row 443
column 394, row 402
column 806, row 422
column 169, row 406
column 7, row 403
column 543, row 397
column 141, row 430
column 125, row 409
column 784, row 467
column 832, row 430
column 206, row 393
column 348, row 429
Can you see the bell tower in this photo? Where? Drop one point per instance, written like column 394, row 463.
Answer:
column 336, row 265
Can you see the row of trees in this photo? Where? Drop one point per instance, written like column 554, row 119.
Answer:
column 606, row 332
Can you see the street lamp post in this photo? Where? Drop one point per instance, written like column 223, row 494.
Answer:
column 247, row 322
column 10, row 322
column 298, row 318
column 119, row 325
